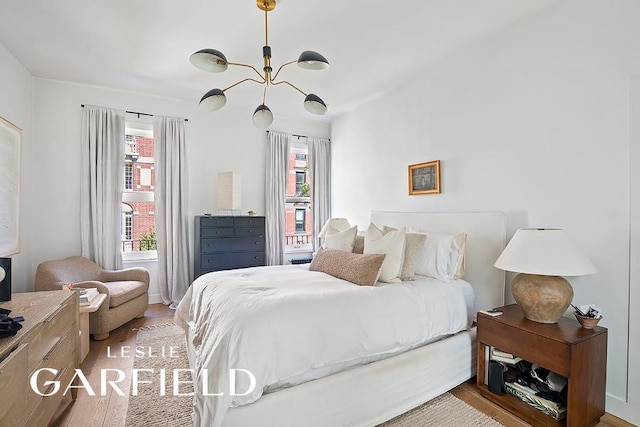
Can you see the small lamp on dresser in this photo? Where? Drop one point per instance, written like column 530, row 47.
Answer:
column 542, row 256
column 5, row 279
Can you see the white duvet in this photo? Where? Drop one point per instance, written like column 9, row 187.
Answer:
column 287, row 325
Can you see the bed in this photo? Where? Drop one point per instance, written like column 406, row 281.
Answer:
column 382, row 382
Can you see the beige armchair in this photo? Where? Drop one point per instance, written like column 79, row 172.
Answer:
column 126, row 290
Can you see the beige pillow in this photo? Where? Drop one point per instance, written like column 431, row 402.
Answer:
column 358, row 245
column 340, row 240
column 360, row 269
column 392, row 245
column 413, row 250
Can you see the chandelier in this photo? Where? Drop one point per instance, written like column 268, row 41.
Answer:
column 215, row 61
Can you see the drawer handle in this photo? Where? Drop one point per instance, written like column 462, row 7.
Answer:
column 55, row 313
column 55, row 381
column 256, row 243
column 54, row 348
column 209, row 245
column 210, row 260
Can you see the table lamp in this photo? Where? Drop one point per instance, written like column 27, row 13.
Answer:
column 542, row 256
column 5, row 279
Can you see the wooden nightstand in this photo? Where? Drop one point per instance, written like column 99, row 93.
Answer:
column 565, row 348
column 84, row 323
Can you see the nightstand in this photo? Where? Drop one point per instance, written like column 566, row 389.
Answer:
column 84, row 323
column 565, row 348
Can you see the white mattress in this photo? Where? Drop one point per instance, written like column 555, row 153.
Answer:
column 287, row 326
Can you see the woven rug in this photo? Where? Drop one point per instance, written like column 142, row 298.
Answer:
column 149, row 409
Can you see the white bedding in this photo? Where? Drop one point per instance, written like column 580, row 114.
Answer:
column 287, row 325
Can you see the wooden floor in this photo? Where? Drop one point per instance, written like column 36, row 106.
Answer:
column 111, row 409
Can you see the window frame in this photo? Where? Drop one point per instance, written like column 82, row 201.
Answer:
column 138, row 127
column 299, row 203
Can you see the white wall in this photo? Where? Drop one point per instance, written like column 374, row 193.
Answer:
column 220, row 141
column 16, row 93
column 534, row 122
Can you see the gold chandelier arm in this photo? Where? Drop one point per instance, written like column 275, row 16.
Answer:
column 249, row 66
column 242, row 81
column 281, row 67
column 286, row 82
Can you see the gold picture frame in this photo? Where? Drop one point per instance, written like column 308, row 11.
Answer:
column 424, row 178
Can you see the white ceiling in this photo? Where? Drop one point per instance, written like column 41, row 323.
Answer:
column 144, row 45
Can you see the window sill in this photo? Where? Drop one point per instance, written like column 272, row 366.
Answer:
column 139, row 256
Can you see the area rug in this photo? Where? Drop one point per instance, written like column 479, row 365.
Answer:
column 164, row 347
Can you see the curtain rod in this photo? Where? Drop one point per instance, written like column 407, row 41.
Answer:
column 138, row 113
column 302, row 136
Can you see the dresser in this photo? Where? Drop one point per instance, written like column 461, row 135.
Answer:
column 49, row 339
column 228, row 242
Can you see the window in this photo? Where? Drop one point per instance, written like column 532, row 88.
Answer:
column 138, row 220
column 299, row 235
column 300, row 220
column 128, row 176
column 301, row 180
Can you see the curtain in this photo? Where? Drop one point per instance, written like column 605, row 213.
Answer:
column 277, row 171
column 102, row 180
column 320, row 177
column 170, row 195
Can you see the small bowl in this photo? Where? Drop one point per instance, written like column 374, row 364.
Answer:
column 587, row 322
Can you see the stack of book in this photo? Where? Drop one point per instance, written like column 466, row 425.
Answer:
column 504, row 357
column 87, row 295
column 528, row 395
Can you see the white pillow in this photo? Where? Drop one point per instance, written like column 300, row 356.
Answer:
column 340, row 240
column 443, row 257
column 392, row 245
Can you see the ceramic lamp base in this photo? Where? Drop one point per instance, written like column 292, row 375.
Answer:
column 543, row 299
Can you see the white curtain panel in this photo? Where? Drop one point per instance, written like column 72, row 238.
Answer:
column 320, row 176
column 277, row 171
column 102, row 180
column 172, row 230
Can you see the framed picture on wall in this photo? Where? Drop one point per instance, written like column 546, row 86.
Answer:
column 424, row 178
column 10, row 139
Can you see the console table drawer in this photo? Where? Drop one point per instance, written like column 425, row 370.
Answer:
column 216, row 232
column 249, row 222
column 13, row 371
column 232, row 244
column 216, row 221
column 226, row 261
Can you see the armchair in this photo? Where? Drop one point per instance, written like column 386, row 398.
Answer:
column 126, row 290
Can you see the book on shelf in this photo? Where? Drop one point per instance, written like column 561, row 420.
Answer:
column 87, row 295
column 528, row 395
column 503, row 356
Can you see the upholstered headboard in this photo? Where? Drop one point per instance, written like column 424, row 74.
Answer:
column 486, row 235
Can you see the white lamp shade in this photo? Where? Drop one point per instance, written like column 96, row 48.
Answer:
column 229, row 191
column 213, row 100
column 315, row 105
column 334, row 225
column 262, row 117
column 3, row 274
column 544, row 251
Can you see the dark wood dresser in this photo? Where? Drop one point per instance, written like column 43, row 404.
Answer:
column 228, row 242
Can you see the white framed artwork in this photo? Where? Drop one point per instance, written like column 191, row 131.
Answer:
column 10, row 141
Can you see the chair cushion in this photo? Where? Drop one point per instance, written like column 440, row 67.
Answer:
column 124, row 291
